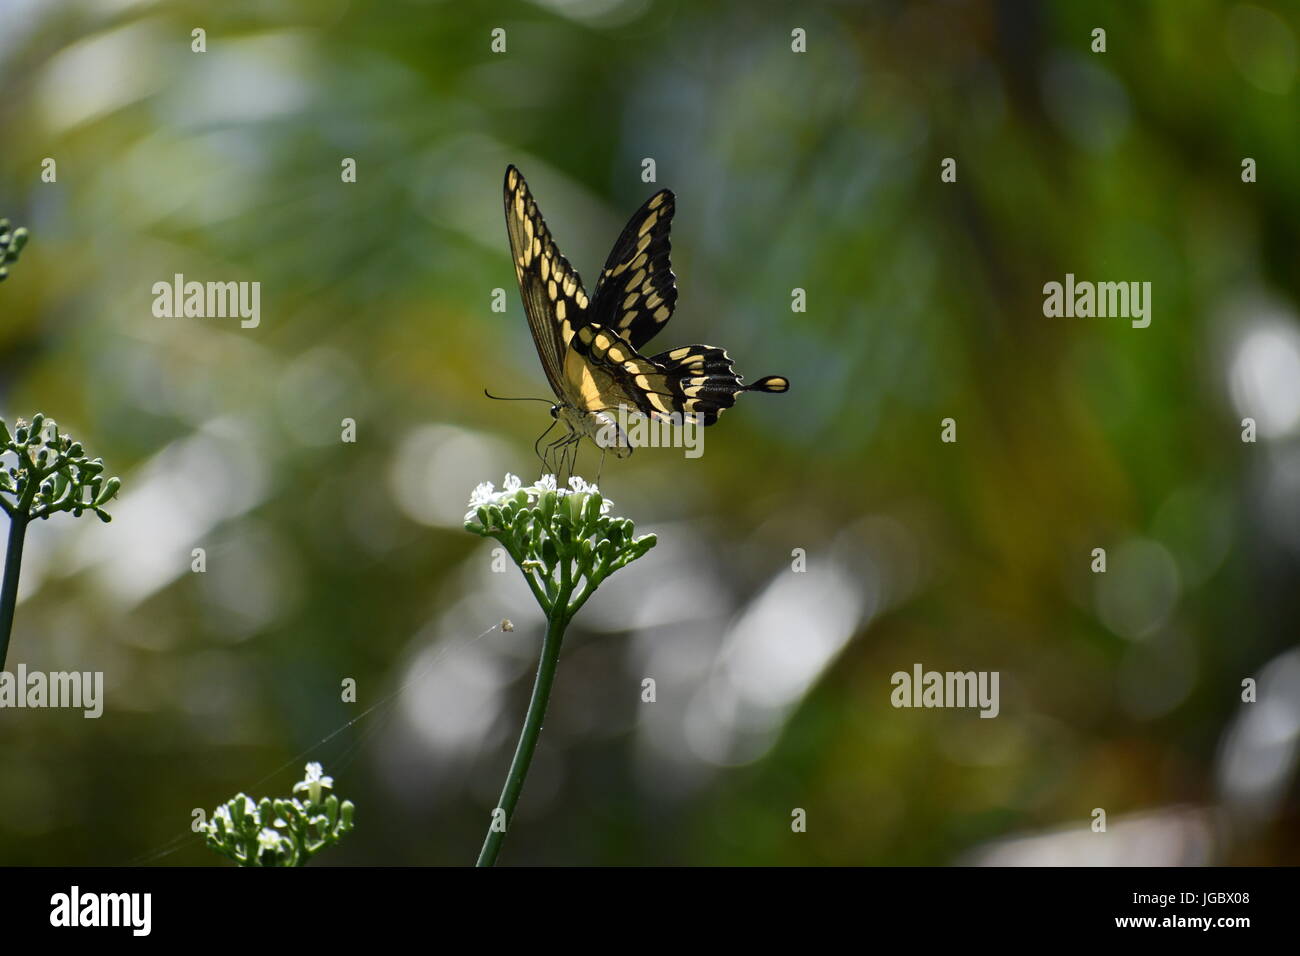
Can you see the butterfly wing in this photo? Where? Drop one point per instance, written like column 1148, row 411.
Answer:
column 637, row 291
column 607, row 371
column 554, row 300
column 603, row 371
column 701, row 380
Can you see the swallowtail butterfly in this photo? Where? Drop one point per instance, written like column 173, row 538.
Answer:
column 590, row 347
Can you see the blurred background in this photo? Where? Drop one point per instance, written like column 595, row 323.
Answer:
column 818, row 171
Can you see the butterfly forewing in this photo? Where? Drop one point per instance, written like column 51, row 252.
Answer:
column 637, row 291
column 554, row 300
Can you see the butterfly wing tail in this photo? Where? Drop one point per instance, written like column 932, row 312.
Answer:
column 770, row 383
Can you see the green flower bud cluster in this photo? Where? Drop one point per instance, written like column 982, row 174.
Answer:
column 564, row 540
column 11, row 243
column 280, row 832
column 52, row 473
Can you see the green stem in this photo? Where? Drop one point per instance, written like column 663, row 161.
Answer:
column 557, row 620
column 9, row 590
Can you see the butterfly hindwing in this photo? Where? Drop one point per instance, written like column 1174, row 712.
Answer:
column 606, row 371
column 637, row 291
column 701, row 380
column 691, row 380
column 554, row 300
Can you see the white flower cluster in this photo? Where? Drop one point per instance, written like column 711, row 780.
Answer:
column 485, row 494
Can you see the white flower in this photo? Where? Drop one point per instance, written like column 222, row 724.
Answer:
column 314, row 782
column 480, row 496
column 485, row 495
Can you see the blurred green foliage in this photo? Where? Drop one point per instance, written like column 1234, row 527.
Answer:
column 328, row 560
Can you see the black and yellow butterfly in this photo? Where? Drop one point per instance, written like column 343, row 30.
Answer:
column 589, row 347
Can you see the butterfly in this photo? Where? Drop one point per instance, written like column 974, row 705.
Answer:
column 590, row 346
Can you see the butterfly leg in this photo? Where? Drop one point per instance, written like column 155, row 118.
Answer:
column 568, row 453
column 556, row 443
column 537, row 446
column 562, row 460
column 557, row 448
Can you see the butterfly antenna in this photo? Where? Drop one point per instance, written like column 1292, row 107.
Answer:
column 498, row 398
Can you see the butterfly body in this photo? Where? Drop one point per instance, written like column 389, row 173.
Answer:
column 599, row 426
column 590, row 346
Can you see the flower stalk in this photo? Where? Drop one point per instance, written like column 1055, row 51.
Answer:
column 565, row 543
column 50, row 473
